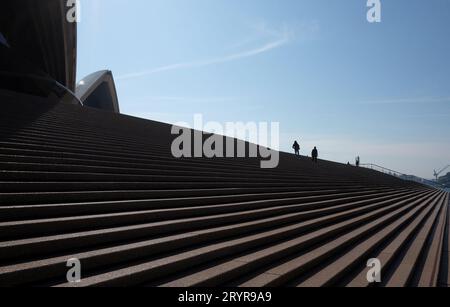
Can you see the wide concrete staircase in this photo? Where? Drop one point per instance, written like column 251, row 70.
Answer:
column 105, row 189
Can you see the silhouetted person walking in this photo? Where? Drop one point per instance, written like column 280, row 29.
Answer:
column 358, row 161
column 315, row 155
column 296, row 147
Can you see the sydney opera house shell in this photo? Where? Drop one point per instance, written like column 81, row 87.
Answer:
column 39, row 54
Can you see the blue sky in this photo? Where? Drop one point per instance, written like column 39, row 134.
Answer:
column 329, row 77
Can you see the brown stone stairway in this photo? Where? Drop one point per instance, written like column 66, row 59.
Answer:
column 104, row 188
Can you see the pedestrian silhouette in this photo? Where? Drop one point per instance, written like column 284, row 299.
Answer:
column 358, row 161
column 315, row 155
column 296, row 147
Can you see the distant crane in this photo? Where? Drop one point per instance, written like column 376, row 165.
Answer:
column 436, row 173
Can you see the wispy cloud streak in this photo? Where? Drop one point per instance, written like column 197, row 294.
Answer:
column 419, row 100
column 172, row 99
column 282, row 39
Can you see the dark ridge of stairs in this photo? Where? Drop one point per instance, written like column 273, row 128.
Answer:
column 104, row 188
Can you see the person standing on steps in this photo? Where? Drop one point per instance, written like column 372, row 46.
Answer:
column 315, row 155
column 296, row 147
column 358, row 161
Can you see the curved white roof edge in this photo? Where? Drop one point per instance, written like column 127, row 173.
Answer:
column 89, row 85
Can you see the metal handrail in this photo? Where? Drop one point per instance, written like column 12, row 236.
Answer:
column 400, row 175
column 383, row 169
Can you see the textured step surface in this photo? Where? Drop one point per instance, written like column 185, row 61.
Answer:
column 104, row 188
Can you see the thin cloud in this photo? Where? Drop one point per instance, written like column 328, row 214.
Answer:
column 416, row 157
column 282, row 39
column 427, row 115
column 419, row 100
column 177, row 99
column 197, row 101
